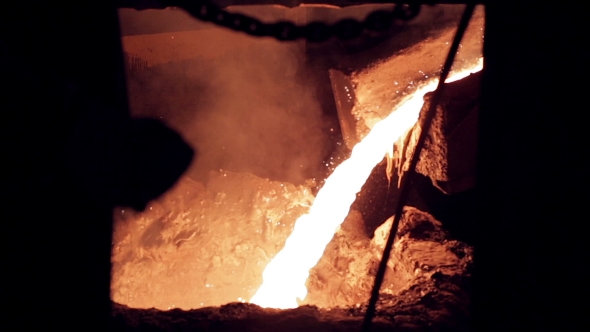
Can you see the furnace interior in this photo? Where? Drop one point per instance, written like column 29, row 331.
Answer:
column 263, row 119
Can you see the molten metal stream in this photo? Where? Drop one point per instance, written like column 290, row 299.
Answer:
column 285, row 276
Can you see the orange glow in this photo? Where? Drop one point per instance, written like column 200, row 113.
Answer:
column 285, row 276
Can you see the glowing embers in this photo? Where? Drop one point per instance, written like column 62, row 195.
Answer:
column 285, row 276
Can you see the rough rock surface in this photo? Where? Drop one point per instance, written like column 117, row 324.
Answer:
column 448, row 157
column 342, row 276
column 345, row 274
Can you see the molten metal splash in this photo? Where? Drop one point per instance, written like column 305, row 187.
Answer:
column 286, row 274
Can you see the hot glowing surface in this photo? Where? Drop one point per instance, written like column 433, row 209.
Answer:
column 285, row 276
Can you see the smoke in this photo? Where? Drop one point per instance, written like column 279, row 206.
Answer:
column 260, row 116
column 251, row 108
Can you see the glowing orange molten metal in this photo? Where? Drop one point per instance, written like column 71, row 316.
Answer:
column 285, row 276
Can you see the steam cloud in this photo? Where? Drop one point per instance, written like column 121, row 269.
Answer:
column 260, row 117
column 250, row 109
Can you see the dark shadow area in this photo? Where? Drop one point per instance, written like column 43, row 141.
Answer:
column 457, row 212
column 70, row 154
column 375, row 199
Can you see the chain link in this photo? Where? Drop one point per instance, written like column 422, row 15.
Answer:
column 345, row 29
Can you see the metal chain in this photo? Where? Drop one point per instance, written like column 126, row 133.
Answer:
column 345, row 29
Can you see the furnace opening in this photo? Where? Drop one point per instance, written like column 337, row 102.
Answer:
column 285, row 130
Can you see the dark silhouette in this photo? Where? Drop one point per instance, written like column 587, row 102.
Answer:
column 70, row 154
